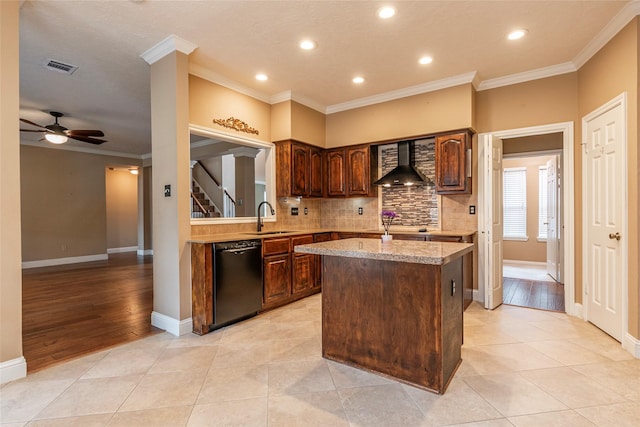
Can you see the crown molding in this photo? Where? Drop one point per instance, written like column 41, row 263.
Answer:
column 170, row 44
column 540, row 73
column 403, row 93
column 622, row 18
column 64, row 147
column 212, row 76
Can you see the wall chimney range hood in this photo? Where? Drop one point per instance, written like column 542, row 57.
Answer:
column 405, row 173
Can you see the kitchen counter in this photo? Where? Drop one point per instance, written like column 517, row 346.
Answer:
column 435, row 253
column 230, row 237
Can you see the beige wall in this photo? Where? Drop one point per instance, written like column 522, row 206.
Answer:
column 613, row 70
column 63, row 202
column 532, row 250
column 10, row 271
column 308, row 125
column 442, row 110
column 208, row 101
column 534, row 103
column 122, row 208
column 281, row 121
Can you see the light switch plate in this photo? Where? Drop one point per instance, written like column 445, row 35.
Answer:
column 472, row 210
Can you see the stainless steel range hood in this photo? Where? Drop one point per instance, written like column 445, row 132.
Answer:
column 405, row 173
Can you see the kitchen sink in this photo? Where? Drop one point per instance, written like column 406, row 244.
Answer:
column 267, row 233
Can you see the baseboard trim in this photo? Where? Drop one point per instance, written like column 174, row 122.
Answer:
column 13, row 369
column 524, row 263
column 171, row 325
column 476, row 296
column 143, row 252
column 62, row 261
column 578, row 310
column 632, row 345
column 122, row 249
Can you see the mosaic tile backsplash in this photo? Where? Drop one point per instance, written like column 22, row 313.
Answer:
column 416, row 206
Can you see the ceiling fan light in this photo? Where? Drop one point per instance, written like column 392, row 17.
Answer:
column 55, row 138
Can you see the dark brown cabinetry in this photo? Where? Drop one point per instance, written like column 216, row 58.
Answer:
column 467, row 264
column 453, row 173
column 348, row 171
column 304, row 267
column 276, row 270
column 299, row 169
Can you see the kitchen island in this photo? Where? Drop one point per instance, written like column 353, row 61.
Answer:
column 393, row 308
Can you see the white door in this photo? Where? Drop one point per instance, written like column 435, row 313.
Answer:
column 492, row 221
column 553, row 219
column 604, row 193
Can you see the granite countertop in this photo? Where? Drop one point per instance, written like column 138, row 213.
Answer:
column 247, row 235
column 435, row 253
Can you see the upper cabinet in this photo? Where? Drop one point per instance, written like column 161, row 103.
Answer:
column 453, row 169
column 299, row 171
column 349, row 171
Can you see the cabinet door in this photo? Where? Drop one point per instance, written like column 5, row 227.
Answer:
column 336, row 173
column 303, row 272
column 300, row 164
column 451, row 164
column 276, row 277
column 358, row 171
column 315, row 172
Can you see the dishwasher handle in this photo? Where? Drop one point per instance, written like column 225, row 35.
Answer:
column 239, row 251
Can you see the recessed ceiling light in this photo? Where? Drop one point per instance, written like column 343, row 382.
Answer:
column 425, row 60
column 307, row 44
column 517, row 34
column 261, row 77
column 358, row 79
column 386, row 12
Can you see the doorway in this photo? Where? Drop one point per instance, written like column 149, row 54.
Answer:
column 490, row 256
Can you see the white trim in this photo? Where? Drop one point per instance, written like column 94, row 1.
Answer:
column 62, row 261
column 566, row 128
column 516, row 238
column 300, row 99
column 517, row 262
column 526, row 76
column 13, row 369
column 628, row 12
column 578, row 310
column 143, row 252
column 122, row 249
column 477, row 296
column 620, row 100
column 170, row 44
column 632, row 345
column 403, row 93
column 171, row 325
column 65, row 147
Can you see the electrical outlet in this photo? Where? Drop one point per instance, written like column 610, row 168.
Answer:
column 306, row 211
column 360, row 211
column 472, row 210
column 294, row 211
column 167, row 190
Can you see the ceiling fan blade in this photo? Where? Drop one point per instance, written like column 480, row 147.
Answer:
column 84, row 132
column 32, row 130
column 32, row 124
column 87, row 139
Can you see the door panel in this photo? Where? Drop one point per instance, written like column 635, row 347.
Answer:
column 604, row 193
column 553, row 220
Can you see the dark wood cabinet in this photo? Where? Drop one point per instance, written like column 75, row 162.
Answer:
column 358, row 171
column 299, row 170
column 319, row 237
column 335, row 176
column 304, row 270
column 453, row 171
column 276, row 278
column 467, row 264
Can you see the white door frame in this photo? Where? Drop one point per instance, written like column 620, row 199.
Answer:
column 620, row 100
column 566, row 128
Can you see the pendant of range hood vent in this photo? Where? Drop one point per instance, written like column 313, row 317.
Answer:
column 405, row 173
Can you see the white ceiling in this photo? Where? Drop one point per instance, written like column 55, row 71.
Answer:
column 237, row 39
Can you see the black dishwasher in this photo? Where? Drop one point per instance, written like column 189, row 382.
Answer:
column 237, row 285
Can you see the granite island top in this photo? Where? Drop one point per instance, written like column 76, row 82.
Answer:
column 245, row 235
column 434, row 253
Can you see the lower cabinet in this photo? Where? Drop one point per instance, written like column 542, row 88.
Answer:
column 287, row 276
column 467, row 264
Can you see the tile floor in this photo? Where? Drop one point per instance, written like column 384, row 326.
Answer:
column 520, row 367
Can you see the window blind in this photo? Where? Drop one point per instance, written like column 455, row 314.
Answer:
column 514, row 203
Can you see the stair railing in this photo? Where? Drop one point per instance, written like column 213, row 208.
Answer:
column 203, row 211
column 229, row 205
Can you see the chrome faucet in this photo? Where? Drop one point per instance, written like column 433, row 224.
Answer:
column 259, row 218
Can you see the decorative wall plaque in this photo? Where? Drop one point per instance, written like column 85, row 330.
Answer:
column 237, row 124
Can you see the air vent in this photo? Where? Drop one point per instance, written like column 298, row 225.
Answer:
column 61, row 67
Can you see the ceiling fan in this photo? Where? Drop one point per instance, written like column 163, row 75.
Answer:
column 58, row 134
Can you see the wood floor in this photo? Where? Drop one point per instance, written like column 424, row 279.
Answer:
column 72, row 310
column 533, row 294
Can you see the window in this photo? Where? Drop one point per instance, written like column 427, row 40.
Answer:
column 542, row 203
column 514, row 201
